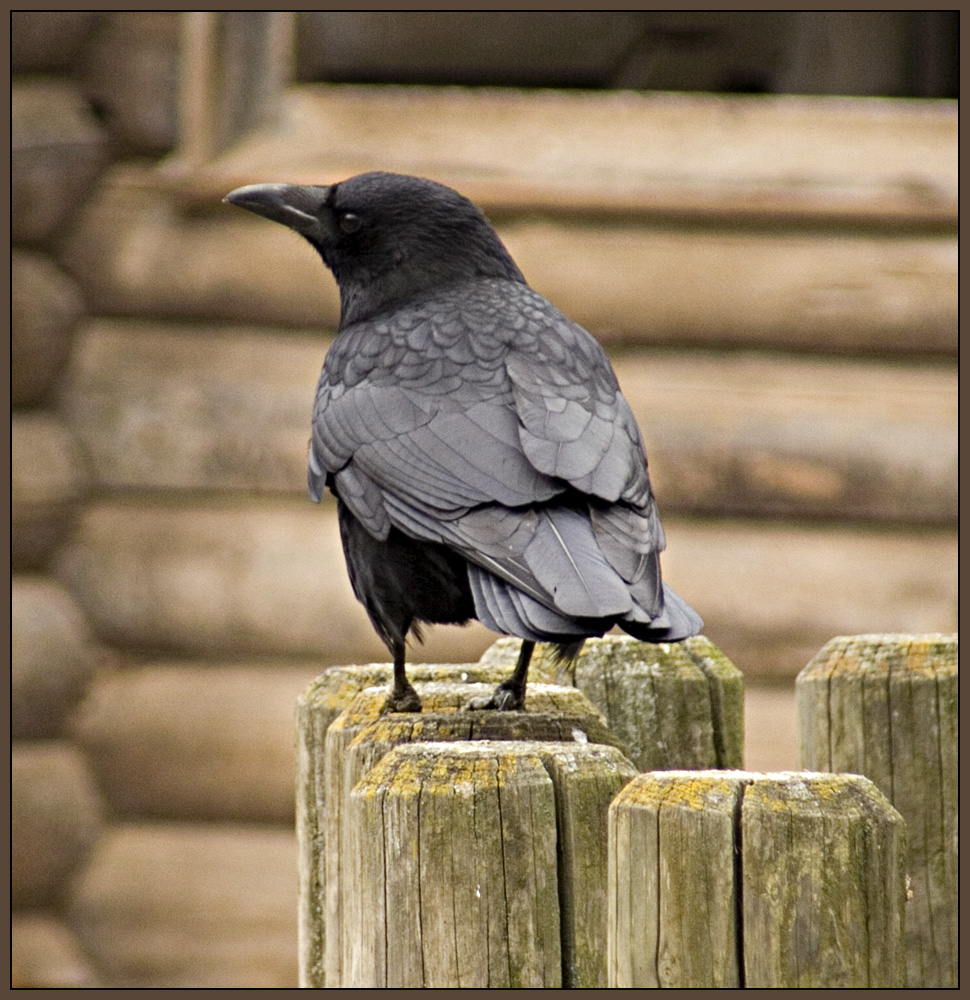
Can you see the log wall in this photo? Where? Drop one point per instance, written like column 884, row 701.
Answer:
column 788, row 347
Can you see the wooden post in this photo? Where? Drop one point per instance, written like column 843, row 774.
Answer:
column 361, row 736
column 319, row 705
column 235, row 65
column 731, row 879
column 444, row 687
column 474, row 864
column 886, row 706
column 675, row 705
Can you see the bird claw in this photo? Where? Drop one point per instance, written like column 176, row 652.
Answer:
column 402, row 701
column 502, row 699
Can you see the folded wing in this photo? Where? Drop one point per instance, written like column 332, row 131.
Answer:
column 515, row 448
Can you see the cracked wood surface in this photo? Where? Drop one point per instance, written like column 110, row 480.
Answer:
column 732, row 879
column 334, row 753
column 674, row 705
column 886, row 706
column 491, row 869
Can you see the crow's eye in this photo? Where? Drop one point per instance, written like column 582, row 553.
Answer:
column 349, row 222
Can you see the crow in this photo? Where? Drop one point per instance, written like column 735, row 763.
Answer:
column 484, row 461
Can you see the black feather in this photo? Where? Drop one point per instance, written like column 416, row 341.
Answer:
column 484, row 460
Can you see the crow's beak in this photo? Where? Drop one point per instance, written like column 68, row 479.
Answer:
column 301, row 208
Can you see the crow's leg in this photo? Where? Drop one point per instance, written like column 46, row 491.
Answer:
column 509, row 696
column 403, row 697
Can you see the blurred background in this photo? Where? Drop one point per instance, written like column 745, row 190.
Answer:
column 755, row 212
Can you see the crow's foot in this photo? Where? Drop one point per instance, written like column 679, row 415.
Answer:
column 502, row 699
column 406, row 700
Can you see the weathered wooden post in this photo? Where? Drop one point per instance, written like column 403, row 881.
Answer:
column 734, row 879
column 886, row 706
column 481, row 864
column 679, row 705
column 674, row 705
column 323, row 700
column 361, row 736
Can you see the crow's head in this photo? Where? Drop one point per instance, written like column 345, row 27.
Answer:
column 387, row 237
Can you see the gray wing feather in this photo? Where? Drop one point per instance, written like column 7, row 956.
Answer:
column 460, row 447
column 503, row 608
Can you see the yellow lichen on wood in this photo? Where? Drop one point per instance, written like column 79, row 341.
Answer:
column 672, row 894
column 673, row 704
column 886, row 706
column 821, row 853
column 501, row 850
column 361, row 737
column 318, row 706
column 519, row 856
column 820, row 896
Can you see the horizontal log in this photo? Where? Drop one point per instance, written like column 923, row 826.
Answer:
column 798, row 437
column 45, row 305
column 52, row 657
column 56, row 820
column 624, row 279
column 225, row 578
column 172, row 406
column 184, row 267
column 194, row 741
column 225, row 408
column 700, row 155
column 763, row 589
column 45, row 954
column 48, row 479
column 58, row 151
column 829, row 293
column 190, row 906
column 230, row 579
